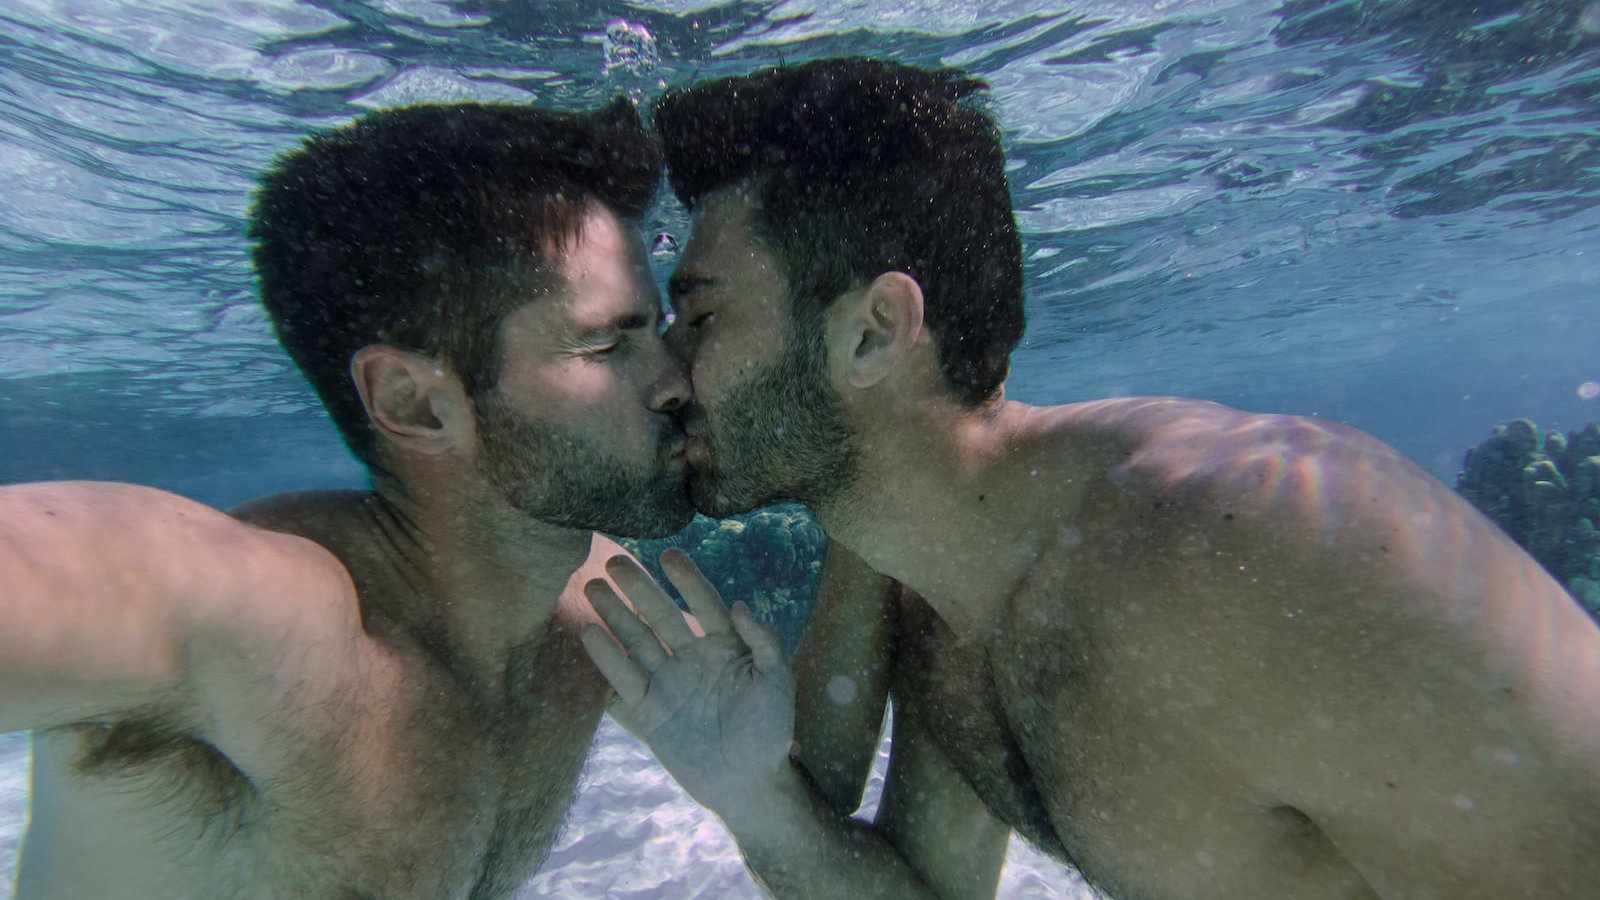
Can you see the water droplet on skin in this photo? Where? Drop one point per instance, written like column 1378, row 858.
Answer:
column 841, row 690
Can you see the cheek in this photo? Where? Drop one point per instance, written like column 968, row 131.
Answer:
column 722, row 360
column 712, row 373
column 562, row 393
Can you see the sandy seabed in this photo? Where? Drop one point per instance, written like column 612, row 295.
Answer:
column 632, row 833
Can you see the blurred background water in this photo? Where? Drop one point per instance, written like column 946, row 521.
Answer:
column 1376, row 211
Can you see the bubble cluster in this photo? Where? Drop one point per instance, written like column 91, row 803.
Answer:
column 629, row 47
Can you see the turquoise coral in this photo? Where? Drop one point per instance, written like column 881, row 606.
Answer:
column 1543, row 491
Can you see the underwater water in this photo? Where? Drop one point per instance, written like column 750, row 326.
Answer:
column 1379, row 213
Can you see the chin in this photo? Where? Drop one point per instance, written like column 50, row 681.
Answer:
column 668, row 513
column 712, row 500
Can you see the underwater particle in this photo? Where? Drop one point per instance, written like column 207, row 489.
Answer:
column 663, row 245
column 1462, row 802
column 841, row 690
column 1589, row 390
column 630, row 47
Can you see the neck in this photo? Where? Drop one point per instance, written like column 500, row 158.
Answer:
column 941, row 507
column 478, row 581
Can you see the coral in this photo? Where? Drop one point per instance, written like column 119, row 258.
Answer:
column 770, row 559
column 1543, row 491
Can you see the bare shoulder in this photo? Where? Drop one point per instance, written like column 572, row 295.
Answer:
column 206, row 564
column 1385, row 651
column 163, row 606
column 306, row 544
column 1276, row 471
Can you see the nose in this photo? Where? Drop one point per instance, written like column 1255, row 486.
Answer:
column 672, row 390
column 677, row 343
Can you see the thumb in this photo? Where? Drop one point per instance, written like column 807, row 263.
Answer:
column 761, row 640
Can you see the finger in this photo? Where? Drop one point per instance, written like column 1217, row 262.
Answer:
column 762, row 641
column 703, row 599
column 631, row 633
column 622, row 673
column 694, row 625
column 654, row 606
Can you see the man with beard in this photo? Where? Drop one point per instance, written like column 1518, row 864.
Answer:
column 367, row 694
column 1195, row 652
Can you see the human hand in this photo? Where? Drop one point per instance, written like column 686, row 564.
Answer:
column 717, row 710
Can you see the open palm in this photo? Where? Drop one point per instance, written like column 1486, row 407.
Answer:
column 716, row 709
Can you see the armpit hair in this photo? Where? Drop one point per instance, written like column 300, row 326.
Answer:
column 167, row 763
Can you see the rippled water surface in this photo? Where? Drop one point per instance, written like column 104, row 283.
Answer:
column 1379, row 212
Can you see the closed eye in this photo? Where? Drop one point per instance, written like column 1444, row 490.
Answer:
column 605, row 349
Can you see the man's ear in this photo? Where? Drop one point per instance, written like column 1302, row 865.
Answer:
column 412, row 400
column 880, row 325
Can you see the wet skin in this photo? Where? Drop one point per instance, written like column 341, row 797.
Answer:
column 1194, row 651
column 353, row 695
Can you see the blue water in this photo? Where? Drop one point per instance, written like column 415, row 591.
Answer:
column 1383, row 213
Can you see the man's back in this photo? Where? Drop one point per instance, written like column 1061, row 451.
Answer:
column 333, row 753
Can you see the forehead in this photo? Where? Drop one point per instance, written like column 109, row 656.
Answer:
column 604, row 274
column 722, row 222
column 722, row 242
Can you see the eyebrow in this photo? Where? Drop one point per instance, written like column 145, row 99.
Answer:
column 683, row 284
column 633, row 322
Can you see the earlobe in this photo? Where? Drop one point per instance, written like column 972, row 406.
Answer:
column 884, row 323
column 410, row 399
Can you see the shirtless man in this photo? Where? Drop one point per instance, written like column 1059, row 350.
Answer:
column 1197, row 653
column 367, row 694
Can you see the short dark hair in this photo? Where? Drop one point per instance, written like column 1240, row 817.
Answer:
column 863, row 167
column 423, row 227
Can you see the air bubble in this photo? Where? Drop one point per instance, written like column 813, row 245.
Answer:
column 841, row 690
column 1589, row 390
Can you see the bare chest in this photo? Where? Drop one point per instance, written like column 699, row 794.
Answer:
column 1088, row 738
column 422, row 794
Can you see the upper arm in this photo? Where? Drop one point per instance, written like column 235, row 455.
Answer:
column 930, row 813
column 1433, row 695
column 119, row 598
column 842, row 669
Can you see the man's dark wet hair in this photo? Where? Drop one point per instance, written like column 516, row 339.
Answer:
column 862, row 167
column 423, row 227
